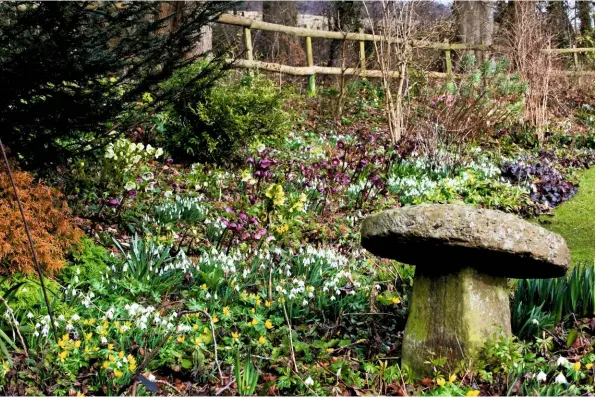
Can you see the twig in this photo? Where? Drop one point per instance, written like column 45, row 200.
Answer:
column 16, row 325
column 292, row 356
column 171, row 386
column 226, row 386
column 31, row 245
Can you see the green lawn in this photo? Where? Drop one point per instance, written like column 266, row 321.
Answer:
column 574, row 220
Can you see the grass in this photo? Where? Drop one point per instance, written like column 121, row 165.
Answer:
column 574, row 220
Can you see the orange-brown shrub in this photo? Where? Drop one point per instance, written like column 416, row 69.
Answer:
column 49, row 220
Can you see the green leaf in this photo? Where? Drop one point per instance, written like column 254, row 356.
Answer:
column 571, row 337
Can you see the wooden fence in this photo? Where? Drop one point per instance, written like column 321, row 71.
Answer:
column 311, row 70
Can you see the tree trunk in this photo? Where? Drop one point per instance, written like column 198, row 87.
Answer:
column 559, row 22
column 585, row 19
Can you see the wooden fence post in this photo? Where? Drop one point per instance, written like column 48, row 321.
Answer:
column 312, row 89
column 362, row 52
column 248, row 44
column 448, row 67
column 575, row 59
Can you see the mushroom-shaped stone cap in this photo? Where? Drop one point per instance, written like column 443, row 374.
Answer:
column 444, row 237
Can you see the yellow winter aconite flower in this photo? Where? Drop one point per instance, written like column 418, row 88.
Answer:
column 452, row 378
column 226, row 311
column 258, row 301
column 77, row 344
column 195, row 327
column 111, row 358
column 121, row 354
column 89, row 336
column 118, row 373
column 577, row 366
column 268, row 324
column 62, row 355
column 589, row 366
column 214, row 319
column 110, row 346
column 282, row 229
column 329, row 350
column 267, row 303
column 235, row 336
column 62, row 344
column 262, row 340
column 473, row 393
column 132, row 367
column 395, row 300
column 79, row 394
column 204, row 287
column 197, row 341
column 106, row 365
column 253, row 311
column 181, row 339
column 440, row 382
column 65, row 337
column 255, row 321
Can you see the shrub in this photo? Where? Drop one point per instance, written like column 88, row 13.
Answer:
column 95, row 69
column 231, row 116
column 49, row 221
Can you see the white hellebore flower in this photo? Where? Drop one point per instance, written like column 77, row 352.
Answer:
column 535, row 322
column 541, row 377
column 309, row 382
column 560, row 379
column 562, row 361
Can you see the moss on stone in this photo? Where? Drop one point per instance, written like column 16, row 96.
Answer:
column 452, row 315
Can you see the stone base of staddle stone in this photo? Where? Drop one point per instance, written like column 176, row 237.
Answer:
column 453, row 315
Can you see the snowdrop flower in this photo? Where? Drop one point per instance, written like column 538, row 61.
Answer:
column 535, row 322
column 61, row 317
column 309, row 382
column 104, row 340
column 562, row 361
column 75, row 317
column 541, row 377
column 36, row 334
column 30, row 315
column 304, row 302
column 560, row 379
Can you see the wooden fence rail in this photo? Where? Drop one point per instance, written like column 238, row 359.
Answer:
column 311, row 70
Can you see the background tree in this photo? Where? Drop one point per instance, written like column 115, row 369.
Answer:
column 475, row 21
column 69, row 69
column 280, row 45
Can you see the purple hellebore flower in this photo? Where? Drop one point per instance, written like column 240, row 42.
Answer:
column 252, row 199
column 254, row 220
column 113, row 203
column 169, row 160
column 139, row 180
column 245, row 236
column 340, row 144
column 363, row 162
column 258, row 173
column 132, row 194
column 265, row 163
column 232, row 226
column 250, row 160
column 225, row 222
column 335, row 162
column 243, row 217
column 229, row 210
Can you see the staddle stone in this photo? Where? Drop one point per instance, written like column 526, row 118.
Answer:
column 440, row 236
column 463, row 257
